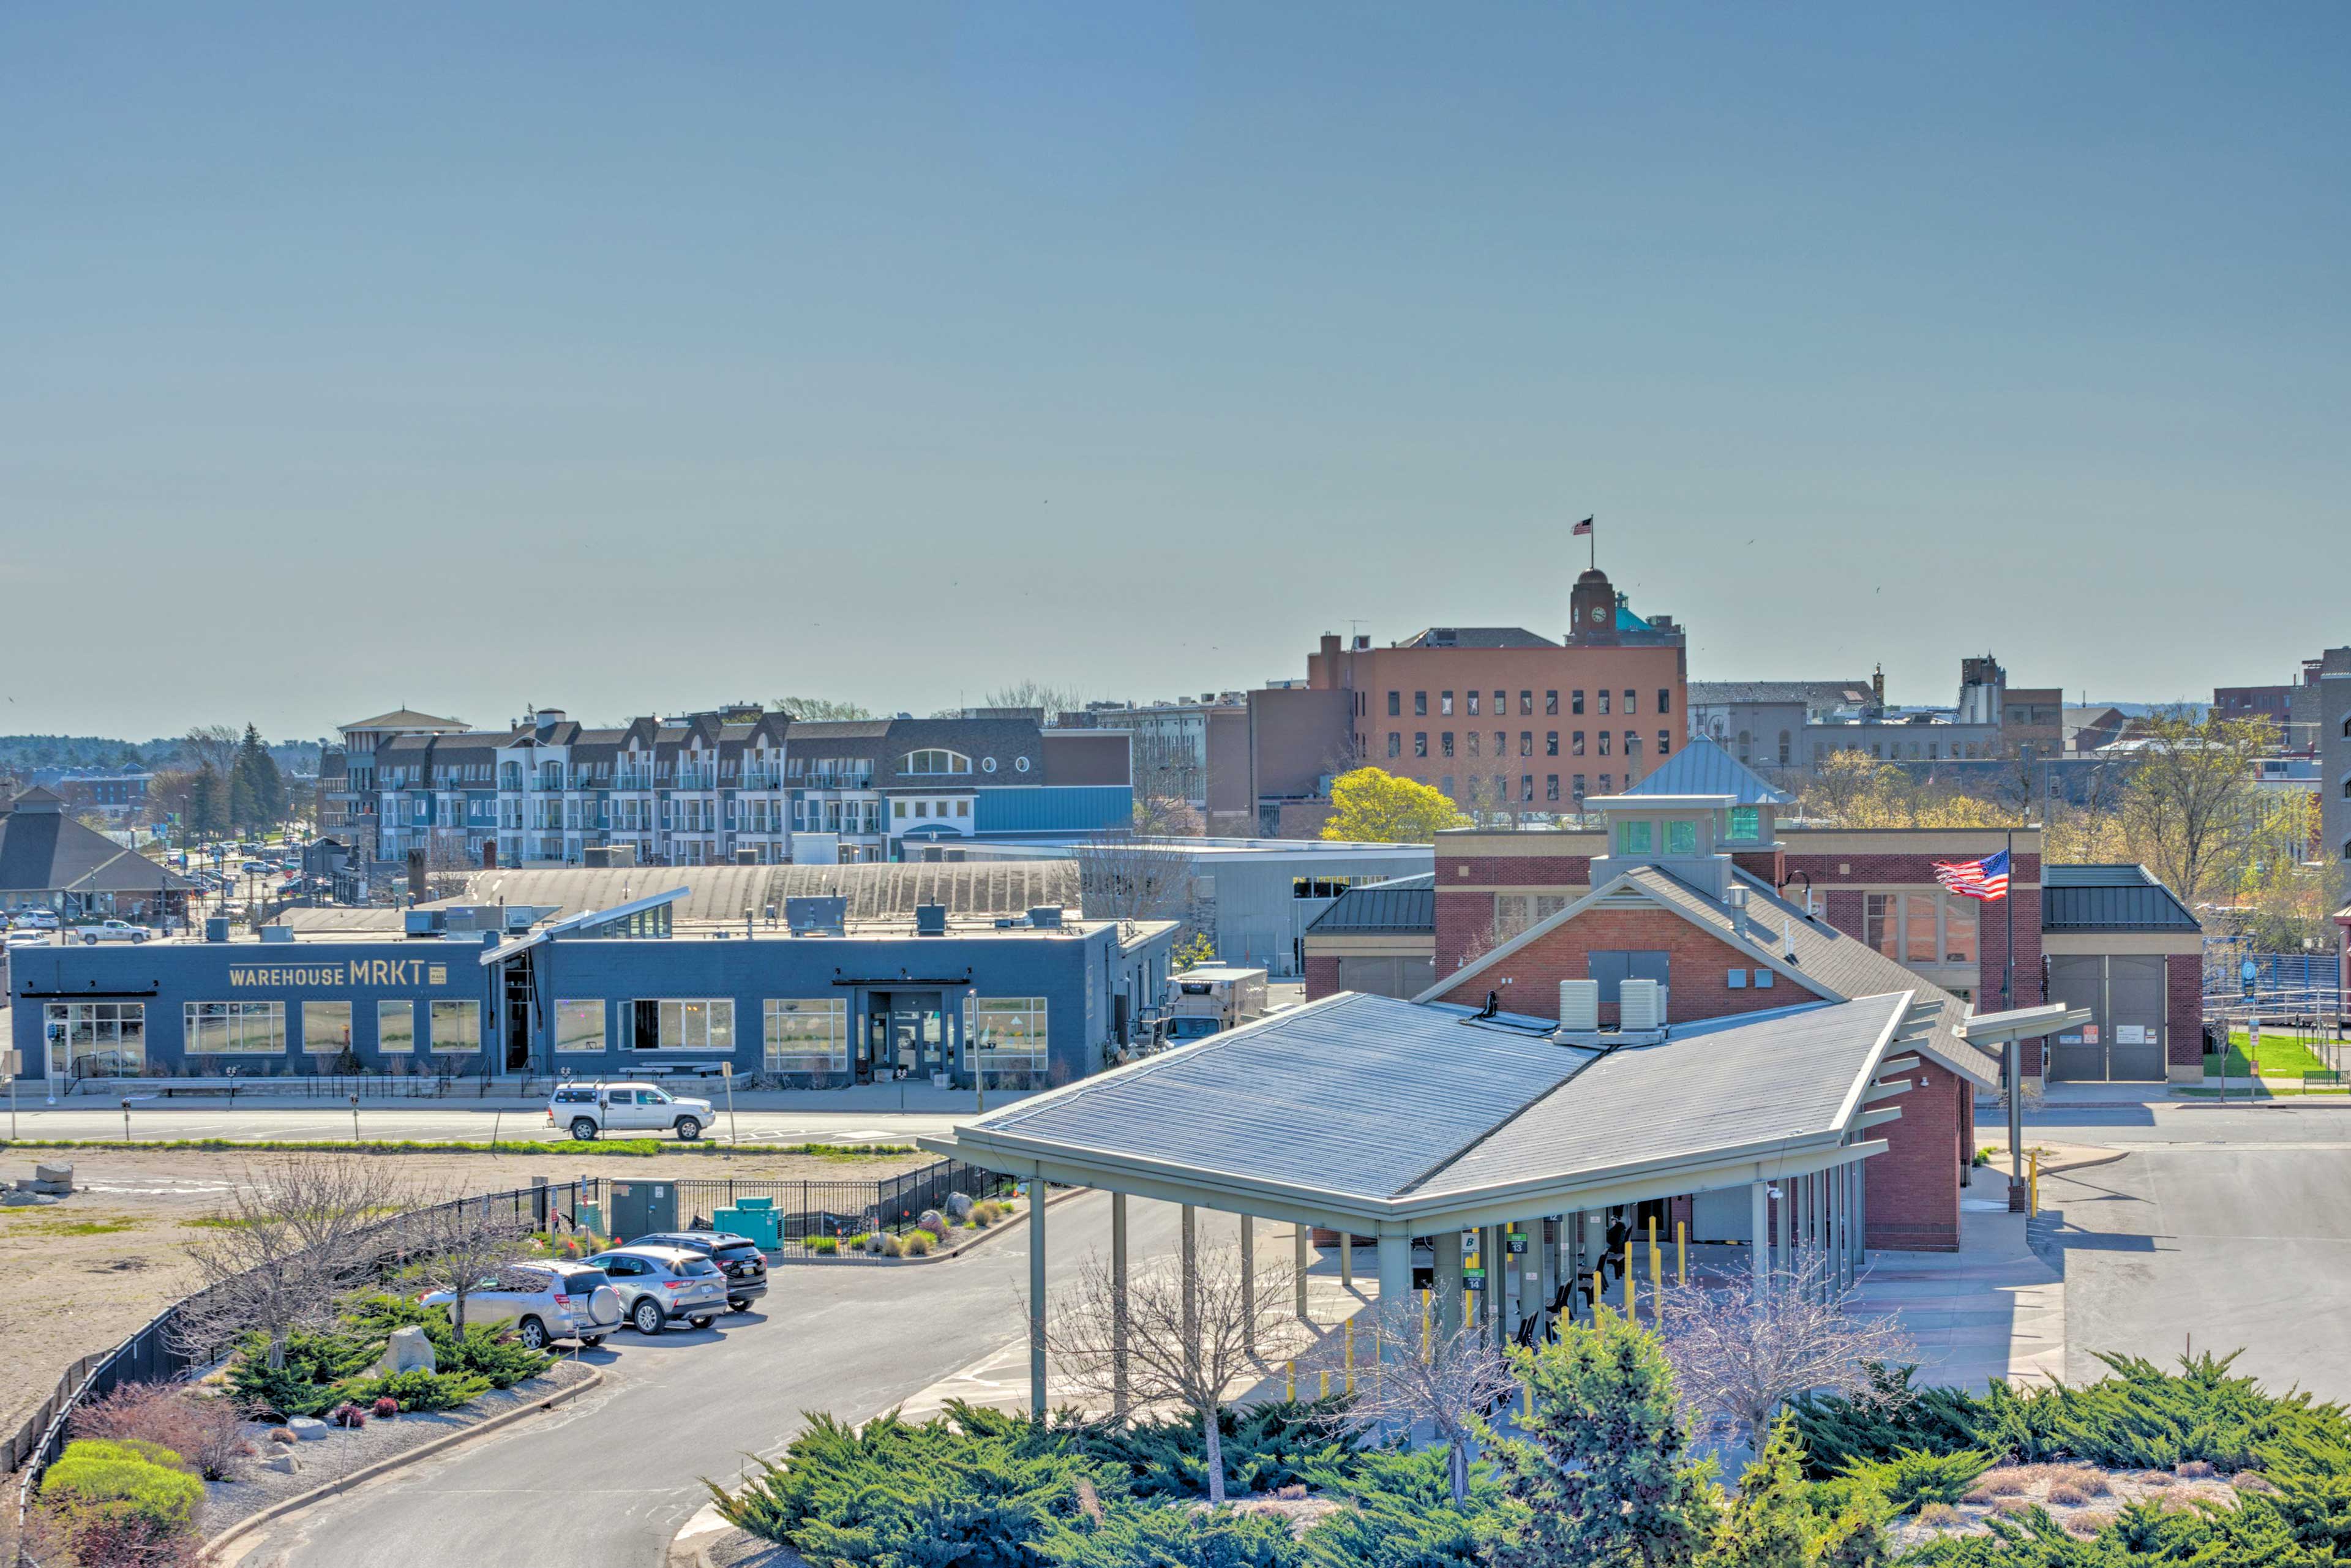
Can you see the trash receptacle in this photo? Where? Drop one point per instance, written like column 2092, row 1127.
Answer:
column 757, row 1218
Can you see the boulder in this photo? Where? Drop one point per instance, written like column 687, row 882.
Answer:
column 283, row 1461
column 18, row 1198
column 873, row 1244
column 933, row 1221
column 407, row 1350
column 53, row 1179
column 309, row 1429
column 959, row 1205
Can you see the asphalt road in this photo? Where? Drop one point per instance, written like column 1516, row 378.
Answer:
column 332, row 1121
column 605, row 1481
column 2222, row 1228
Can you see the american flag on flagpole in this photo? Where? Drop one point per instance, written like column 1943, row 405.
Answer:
column 1986, row 879
column 1582, row 528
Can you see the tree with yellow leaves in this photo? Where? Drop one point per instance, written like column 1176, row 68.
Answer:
column 1371, row 805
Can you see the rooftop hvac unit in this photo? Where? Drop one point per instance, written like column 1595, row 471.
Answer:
column 424, row 922
column 930, row 920
column 1641, row 1005
column 816, row 916
column 278, row 934
column 1579, row 1005
column 1046, row 918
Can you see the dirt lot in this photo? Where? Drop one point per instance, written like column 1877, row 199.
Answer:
column 87, row 1271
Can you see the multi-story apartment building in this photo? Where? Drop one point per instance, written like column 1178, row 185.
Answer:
column 348, row 785
column 726, row 787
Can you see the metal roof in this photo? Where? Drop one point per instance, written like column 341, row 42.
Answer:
column 1477, row 637
column 1400, row 903
column 2115, row 897
column 1364, row 1104
column 719, row 894
column 1702, row 767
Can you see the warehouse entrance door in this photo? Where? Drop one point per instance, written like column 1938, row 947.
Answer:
column 2123, row 1041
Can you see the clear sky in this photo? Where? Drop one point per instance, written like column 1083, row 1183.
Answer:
column 632, row 358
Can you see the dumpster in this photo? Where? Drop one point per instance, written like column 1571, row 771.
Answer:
column 754, row 1217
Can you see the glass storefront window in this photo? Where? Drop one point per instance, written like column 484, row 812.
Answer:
column 395, row 1028
column 326, row 1027
column 1921, row 942
column 235, row 1028
column 456, row 1028
column 1958, row 930
column 681, row 1024
column 580, row 1026
column 97, row 1040
column 1006, row 1035
column 805, row 1035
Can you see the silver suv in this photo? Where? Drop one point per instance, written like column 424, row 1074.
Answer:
column 543, row 1300
column 659, row 1284
column 737, row 1256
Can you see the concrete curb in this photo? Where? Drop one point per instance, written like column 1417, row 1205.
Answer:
column 278, row 1511
column 685, row 1548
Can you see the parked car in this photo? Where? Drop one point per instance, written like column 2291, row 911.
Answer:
column 543, row 1300
column 112, row 930
column 590, row 1109
column 30, row 938
column 661, row 1284
column 34, row 919
column 256, row 868
column 739, row 1257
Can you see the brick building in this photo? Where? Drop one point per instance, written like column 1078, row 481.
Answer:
column 1506, row 722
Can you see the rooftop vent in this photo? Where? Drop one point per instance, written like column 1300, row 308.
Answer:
column 816, row 916
column 1641, row 1005
column 930, row 920
column 278, row 934
column 1046, row 918
column 1737, row 898
column 1578, row 1006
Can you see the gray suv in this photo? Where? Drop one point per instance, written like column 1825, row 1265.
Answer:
column 543, row 1300
column 660, row 1284
column 739, row 1257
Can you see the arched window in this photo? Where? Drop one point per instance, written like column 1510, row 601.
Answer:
column 936, row 760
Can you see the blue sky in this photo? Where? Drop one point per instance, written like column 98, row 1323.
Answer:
column 630, row 357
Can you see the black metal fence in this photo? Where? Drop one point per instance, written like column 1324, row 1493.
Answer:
column 810, row 1210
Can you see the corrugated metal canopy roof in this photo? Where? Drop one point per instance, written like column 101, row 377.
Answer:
column 1400, row 903
column 2110, row 897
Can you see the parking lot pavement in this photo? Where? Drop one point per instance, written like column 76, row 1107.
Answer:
column 609, row 1479
column 2219, row 1229
column 431, row 1122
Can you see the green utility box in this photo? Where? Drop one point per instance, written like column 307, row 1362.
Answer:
column 754, row 1217
column 642, row 1208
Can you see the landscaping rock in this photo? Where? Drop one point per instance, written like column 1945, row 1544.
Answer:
column 959, row 1205
column 873, row 1244
column 283, row 1461
column 22, row 1199
column 933, row 1221
column 58, row 1179
column 309, row 1429
column 407, row 1350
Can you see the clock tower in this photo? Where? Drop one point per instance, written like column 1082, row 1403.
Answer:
column 1593, row 611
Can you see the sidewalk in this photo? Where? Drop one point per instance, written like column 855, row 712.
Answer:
column 913, row 1099
column 1990, row 1310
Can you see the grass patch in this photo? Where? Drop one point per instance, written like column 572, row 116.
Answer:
column 2278, row 1058
column 624, row 1148
column 51, row 1224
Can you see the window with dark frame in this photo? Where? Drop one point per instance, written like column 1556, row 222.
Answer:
column 1420, row 743
column 1551, row 744
column 1395, row 704
column 1550, row 702
column 1420, row 705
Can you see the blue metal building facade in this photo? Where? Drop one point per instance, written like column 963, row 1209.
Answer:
column 1037, row 1007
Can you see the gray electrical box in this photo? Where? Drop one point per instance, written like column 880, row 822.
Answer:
column 643, row 1208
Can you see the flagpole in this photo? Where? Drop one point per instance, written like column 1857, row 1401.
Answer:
column 2015, row 1045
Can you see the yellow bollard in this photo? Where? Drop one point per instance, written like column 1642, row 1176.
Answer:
column 1595, row 1295
column 1681, row 1252
column 1527, row 1401
column 1291, row 1393
column 2033, row 1203
column 1351, row 1355
column 1326, row 1383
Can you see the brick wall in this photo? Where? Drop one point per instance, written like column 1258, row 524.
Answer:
column 1464, row 920
column 1766, row 865
column 1515, row 870
column 2183, row 1013
column 1993, row 952
column 1698, row 967
column 1848, row 912
column 1913, row 1189
column 1322, row 976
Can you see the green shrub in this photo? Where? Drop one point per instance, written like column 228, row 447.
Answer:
column 1399, row 1513
column 1912, row 1477
column 306, row 1384
column 916, row 1243
column 1171, row 1536
column 98, row 1483
column 487, row 1350
column 1264, row 1448
column 898, row 1493
column 417, row 1389
column 823, row 1245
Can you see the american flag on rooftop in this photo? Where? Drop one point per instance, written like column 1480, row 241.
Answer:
column 1986, row 879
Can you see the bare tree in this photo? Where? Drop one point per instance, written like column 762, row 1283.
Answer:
column 1127, row 876
column 1447, row 1377
column 215, row 743
column 1047, row 695
column 820, row 710
column 459, row 1242
column 1742, row 1349
column 296, row 1233
column 1176, row 1335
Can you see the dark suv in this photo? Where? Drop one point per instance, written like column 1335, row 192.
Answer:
column 737, row 1256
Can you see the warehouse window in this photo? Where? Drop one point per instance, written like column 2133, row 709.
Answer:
column 1006, row 1034
column 326, row 1027
column 456, row 1028
column 580, row 1026
column 682, row 1024
column 235, row 1028
column 805, row 1035
column 97, row 1040
column 395, row 1026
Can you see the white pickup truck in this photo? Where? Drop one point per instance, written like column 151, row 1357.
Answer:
column 590, row 1109
column 112, row 930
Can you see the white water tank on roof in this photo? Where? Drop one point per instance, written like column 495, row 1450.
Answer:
column 1641, row 1005
column 1579, row 1005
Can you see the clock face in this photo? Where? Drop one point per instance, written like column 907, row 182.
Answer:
column 1599, row 615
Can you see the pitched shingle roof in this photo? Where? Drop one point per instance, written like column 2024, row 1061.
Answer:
column 43, row 849
column 403, row 718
